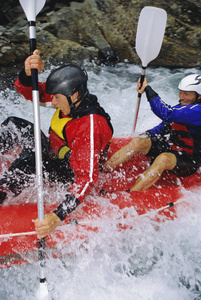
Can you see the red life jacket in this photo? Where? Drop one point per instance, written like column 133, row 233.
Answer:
column 181, row 138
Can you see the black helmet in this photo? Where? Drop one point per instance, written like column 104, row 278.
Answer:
column 67, row 80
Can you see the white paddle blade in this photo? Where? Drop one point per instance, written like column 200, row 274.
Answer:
column 42, row 292
column 32, row 8
column 150, row 33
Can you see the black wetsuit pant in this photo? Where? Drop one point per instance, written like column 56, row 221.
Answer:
column 20, row 132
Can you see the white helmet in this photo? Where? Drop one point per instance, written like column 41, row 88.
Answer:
column 191, row 83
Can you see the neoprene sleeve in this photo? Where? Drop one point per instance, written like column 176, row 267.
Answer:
column 24, row 79
column 150, row 93
column 66, row 206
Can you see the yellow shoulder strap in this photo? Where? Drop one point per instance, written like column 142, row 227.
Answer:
column 58, row 123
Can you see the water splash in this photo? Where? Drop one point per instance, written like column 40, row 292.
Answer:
column 150, row 262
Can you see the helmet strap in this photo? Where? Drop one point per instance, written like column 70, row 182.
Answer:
column 72, row 105
column 198, row 100
column 69, row 101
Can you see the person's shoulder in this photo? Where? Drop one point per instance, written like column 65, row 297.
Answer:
column 190, row 107
column 196, row 106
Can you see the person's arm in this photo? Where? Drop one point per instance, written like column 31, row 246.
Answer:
column 86, row 144
column 87, row 138
column 85, row 154
column 23, row 83
column 157, row 129
column 189, row 114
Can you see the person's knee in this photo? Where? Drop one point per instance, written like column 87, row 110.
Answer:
column 167, row 160
column 142, row 144
column 17, row 122
column 9, row 120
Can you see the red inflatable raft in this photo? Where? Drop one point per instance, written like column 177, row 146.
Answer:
column 108, row 201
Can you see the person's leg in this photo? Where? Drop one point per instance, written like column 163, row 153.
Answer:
column 164, row 161
column 57, row 170
column 3, row 194
column 16, row 131
column 20, row 173
column 136, row 145
column 20, row 132
column 186, row 165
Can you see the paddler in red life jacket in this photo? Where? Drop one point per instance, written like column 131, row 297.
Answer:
column 175, row 144
column 79, row 137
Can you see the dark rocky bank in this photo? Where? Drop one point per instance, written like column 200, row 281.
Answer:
column 102, row 31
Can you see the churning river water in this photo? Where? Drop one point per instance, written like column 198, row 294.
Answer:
column 150, row 262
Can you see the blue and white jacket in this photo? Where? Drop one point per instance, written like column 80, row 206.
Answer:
column 180, row 124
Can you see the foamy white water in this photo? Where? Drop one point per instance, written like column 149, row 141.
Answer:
column 150, row 262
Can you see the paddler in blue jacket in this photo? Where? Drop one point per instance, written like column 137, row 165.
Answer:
column 175, row 144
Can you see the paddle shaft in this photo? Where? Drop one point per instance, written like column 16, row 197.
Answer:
column 31, row 9
column 38, row 148
column 37, row 131
column 139, row 98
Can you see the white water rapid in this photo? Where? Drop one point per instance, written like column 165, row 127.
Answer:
column 149, row 262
